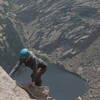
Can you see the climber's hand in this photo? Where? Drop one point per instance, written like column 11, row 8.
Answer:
column 30, row 84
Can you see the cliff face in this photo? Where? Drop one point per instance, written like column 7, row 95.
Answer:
column 9, row 90
column 10, row 42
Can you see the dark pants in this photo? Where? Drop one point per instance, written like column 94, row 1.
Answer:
column 36, row 77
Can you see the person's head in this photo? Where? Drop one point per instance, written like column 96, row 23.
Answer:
column 24, row 54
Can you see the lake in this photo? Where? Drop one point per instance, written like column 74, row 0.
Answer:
column 63, row 85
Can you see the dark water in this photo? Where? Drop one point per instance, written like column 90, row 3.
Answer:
column 63, row 85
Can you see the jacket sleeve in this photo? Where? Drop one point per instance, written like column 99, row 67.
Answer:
column 15, row 68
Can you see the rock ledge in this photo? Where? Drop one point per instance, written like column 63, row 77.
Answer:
column 9, row 90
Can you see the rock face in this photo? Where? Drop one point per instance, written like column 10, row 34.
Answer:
column 10, row 42
column 10, row 91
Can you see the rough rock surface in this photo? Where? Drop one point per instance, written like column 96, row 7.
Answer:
column 10, row 42
column 10, row 91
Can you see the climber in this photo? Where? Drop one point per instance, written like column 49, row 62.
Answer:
column 37, row 65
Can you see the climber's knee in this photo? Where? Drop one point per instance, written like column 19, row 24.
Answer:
column 38, row 82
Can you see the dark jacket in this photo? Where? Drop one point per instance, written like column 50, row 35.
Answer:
column 33, row 62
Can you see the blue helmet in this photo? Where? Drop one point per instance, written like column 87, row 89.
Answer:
column 24, row 53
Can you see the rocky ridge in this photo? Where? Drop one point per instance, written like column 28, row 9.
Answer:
column 10, row 42
column 9, row 90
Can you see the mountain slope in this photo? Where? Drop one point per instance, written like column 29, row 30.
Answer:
column 10, row 42
column 61, row 25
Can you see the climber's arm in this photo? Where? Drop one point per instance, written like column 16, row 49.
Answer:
column 15, row 68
